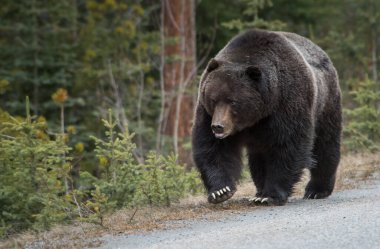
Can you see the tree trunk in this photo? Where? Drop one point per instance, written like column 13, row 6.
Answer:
column 374, row 56
column 179, row 70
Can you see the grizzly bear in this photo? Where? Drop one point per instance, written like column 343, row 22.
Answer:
column 277, row 95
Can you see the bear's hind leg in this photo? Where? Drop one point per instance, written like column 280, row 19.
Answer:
column 327, row 155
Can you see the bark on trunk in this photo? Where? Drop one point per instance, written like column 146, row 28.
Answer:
column 179, row 70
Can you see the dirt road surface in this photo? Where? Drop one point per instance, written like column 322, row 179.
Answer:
column 348, row 219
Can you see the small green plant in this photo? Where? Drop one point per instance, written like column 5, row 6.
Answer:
column 32, row 173
column 119, row 173
column 164, row 181
column 362, row 131
column 98, row 206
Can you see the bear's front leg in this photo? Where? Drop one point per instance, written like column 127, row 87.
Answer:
column 283, row 166
column 257, row 168
column 218, row 160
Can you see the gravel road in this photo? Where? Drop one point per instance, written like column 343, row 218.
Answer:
column 348, row 219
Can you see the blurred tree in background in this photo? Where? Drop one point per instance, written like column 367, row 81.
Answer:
column 178, row 74
column 37, row 52
column 141, row 59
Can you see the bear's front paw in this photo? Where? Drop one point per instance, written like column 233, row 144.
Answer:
column 313, row 194
column 318, row 191
column 221, row 195
column 267, row 201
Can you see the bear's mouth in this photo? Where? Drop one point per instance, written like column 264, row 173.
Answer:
column 220, row 135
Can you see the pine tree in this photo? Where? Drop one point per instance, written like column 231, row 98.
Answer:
column 38, row 51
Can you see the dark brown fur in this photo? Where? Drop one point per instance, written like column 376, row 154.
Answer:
column 281, row 95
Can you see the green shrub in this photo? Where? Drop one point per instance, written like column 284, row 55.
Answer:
column 32, row 168
column 164, row 181
column 37, row 191
column 362, row 129
column 159, row 180
column 119, row 172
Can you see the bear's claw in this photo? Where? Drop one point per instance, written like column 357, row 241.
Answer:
column 266, row 201
column 253, row 199
column 220, row 195
column 260, row 200
column 316, row 195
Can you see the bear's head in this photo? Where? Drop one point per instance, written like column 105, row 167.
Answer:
column 236, row 95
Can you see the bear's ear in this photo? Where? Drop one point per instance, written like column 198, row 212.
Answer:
column 253, row 72
column 212, row 65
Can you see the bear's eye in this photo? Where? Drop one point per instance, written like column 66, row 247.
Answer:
column 233, row 103
column 254, row 73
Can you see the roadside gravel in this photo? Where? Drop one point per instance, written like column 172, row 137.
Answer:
column 347, row 219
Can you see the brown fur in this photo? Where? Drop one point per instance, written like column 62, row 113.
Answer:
column 277, row 94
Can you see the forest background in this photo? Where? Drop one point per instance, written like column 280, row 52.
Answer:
column 97, row 96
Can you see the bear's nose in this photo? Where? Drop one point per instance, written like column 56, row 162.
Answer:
column 217, row 128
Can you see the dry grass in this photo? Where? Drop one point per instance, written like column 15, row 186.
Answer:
column 354, row 169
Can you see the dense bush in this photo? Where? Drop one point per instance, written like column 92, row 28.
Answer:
column 362, row 128
column 37, row 185
column 33, row 171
